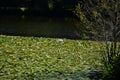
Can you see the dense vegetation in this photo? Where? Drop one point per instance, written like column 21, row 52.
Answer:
column 31, row 58
column 101, row 19
column 98, row 20
column 38, row 7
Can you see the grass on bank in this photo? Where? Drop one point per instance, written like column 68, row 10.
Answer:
column 33, row 58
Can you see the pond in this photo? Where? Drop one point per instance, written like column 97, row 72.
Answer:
column 59, row 27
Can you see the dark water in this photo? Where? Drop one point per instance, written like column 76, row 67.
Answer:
column 38, row 26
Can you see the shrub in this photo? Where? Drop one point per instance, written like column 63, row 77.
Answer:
column 111, row 62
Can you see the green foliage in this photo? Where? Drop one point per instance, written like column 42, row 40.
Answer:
column 112, row 62
column 113, row 70
column 32, row 58
column 102, row 17
column 23, row 9
column 80, row 14
column 98, row 16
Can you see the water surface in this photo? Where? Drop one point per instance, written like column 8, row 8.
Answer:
column 38, row 26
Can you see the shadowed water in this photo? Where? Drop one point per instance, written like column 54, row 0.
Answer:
column 38, row 26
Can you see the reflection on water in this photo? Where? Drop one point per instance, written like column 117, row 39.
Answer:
column 37, row 26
